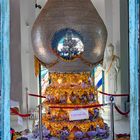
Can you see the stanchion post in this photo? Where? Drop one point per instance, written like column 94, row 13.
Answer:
column 40, row 105
column 27, row 107
column 112, row 117
column 40, row 122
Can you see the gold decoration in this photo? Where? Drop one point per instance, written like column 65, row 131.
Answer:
column 62, row 114
column 70, row 106
column 70, row 77
column 36, row 65
column 62, row 91
column 69, row 85
column 83, row 126
column 67, row 92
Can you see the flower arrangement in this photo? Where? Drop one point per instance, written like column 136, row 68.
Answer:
column 69, row 91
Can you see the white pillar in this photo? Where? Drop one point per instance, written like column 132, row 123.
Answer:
column 109, row 19
column 27, row 56
column 112, row 16
column 124, row 49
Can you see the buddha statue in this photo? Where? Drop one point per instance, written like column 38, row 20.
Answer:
column 111, row 68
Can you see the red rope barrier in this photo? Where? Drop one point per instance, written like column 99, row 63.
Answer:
column 14, row 111
column 122, row 113
column 114, row 95
column 123, row 135
column 35, row 95
column 75, row 107
column 12, row 131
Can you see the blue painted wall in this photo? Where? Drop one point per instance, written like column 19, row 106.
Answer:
column 5, row 69
column 133, row 58
column 0, row 80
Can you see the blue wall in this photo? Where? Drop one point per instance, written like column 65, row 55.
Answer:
column 133, row 58
column 5, row 69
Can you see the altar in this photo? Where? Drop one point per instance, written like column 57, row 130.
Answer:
column 71, row 104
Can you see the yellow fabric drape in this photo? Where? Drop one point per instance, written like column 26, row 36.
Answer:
column 36, row 66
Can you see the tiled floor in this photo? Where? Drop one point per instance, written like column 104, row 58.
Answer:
column 123, row 126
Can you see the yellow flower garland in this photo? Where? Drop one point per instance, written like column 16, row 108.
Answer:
column 83, row 126
column 61, row 91
column 68, row 84
column 70, row 77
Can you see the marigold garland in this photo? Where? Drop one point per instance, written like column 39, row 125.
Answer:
column 83, row 126
column 64, row 86
column 69, row 77
column 63, row 91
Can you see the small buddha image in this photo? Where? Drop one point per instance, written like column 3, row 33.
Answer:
column 96, row 113
column 48, row 98
column 63, row 98
column 83, row 84
column 62, row 115
column 57, row 99
column 91, row 98
column 59, row 81
column 73, row 98
column 77, row 99
column 80, row 82
column 84, row 98
column 48, row 116
column 53, row 117
column 90, row 116
column 52, row 99
column 90, row 81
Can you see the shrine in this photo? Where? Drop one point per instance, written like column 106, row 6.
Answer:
column 69, row 70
